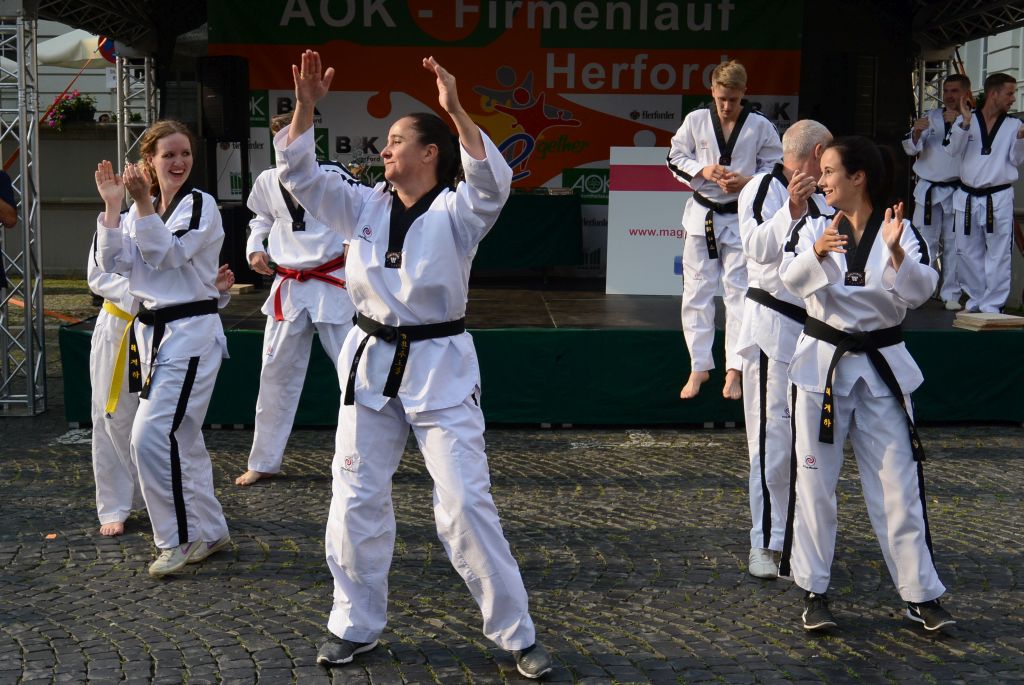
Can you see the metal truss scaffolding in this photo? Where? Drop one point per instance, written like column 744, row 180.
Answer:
column 136, row 102
column 22, row 350
column 928, row 78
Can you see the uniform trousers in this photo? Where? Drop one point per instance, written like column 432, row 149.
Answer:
column 770, row 445
column 701, row 278
column 169, row 451
column 941, row 241
column 984, row 265
column 891, row 480
column 360, row 534
column 117, row 479
column 286, row 348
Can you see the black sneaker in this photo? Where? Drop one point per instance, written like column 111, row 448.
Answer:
column 816, row 614
column 929, row 614
column 532, row 662
column 335, row 651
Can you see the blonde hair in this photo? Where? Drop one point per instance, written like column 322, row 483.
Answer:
column 280, row 121
column 730, row 74
column 147, row 145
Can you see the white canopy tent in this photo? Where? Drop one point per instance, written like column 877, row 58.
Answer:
column 74, row 50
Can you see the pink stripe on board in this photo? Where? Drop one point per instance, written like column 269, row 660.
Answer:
column 632, row 177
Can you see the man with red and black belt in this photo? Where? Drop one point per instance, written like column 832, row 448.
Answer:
column 308, row 260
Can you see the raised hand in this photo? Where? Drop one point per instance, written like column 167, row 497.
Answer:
column 831, row 240
column 892, row 231
column 137, row 182
column 310, row 84
column 447, row 93
column 801, row 187
column 109, row 185
column 965, row 111
column 448, row 98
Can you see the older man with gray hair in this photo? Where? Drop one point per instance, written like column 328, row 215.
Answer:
column 770, row 205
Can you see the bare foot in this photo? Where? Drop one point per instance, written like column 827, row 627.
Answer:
column 112, row 529
column 733, row 389
column 692, row 386
column 250, row 477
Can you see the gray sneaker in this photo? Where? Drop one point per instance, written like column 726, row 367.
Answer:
column 532, row 662
column 174, row 559
column 336, row 651
column 208, row 548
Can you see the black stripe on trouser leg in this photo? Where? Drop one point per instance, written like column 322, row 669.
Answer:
column 179, row 414
column 924, row 501
column 762, row 440
column 787, row 543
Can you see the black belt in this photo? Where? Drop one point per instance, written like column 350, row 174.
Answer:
column 986, row 193
column 869, row 342
column 709, row 219
column 401, row 336
column 158, row 318
column 952, row 183
column 788, row 309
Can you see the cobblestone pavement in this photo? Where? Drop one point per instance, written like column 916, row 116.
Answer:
column 632, row 543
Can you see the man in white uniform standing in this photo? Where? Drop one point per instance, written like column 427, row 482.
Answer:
column 990, row 147
column 769, row 207
column 938, row 176
column 308, row 292
column 716, row 151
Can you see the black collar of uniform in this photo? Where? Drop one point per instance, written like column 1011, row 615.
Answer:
column 725, row 147
column 297, row 212
column 861, row 250
column 986, row 137
column 403, row 218
column 779, row 174
column 182, row 192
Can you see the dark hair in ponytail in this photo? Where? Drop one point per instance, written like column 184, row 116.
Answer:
column 858, row 153
column 433, row 131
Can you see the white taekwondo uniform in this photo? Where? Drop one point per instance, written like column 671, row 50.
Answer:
column 171, row 264
column 857, row 401
column 988, row 169
column 712, row 253
column 307, row 294
column 117, row 479
column 415, row 281
column 772, row 321
column 938, row 175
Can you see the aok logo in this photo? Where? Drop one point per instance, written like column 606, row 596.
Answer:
column 590, row 184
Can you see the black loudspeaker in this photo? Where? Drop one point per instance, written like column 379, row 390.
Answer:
column 224, row 82
column 235, row 216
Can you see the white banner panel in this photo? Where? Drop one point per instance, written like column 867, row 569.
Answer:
column 645, row 234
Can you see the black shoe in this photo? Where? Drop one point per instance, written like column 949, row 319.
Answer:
column 335, row 651
column 816, row 614
column 929, row 614
column 532, row 662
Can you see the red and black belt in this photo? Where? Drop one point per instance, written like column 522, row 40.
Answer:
column 318, row 273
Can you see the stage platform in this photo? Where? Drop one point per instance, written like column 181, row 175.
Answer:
column 564, row 353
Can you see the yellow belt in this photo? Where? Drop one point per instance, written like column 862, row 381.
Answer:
column 117, row 377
